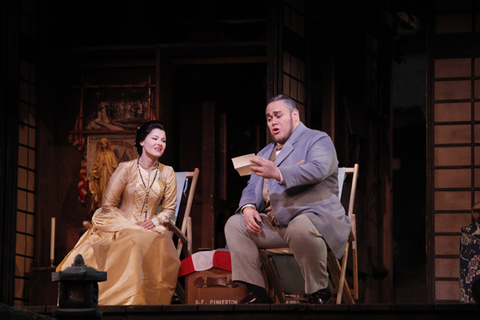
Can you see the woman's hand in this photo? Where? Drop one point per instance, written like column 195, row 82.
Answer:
column 147, row 224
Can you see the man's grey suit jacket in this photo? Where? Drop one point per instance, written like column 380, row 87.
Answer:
column 310, row 187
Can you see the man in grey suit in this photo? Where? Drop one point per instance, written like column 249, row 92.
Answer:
column 290, row 200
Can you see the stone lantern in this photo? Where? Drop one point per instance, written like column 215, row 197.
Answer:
column 78, row 291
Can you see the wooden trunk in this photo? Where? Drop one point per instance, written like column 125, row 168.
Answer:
column 213, row 286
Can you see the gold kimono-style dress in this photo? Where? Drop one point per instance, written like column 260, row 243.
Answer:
column 142, row 265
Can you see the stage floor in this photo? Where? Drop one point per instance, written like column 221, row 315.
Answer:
column 283, row 311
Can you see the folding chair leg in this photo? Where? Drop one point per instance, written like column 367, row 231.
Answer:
column 337, row 281
column 333, row 269
column 342, row 275
column 355, row 271
column 272, row 276
column 189, row 235
column 180, row 291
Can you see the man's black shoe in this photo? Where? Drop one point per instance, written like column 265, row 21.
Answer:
column 320, row 297
column 251, row 298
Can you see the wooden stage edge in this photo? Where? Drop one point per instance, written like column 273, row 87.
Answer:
column 281, row 311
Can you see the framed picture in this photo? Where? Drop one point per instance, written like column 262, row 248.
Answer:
column 121, row 144
column 115, row 108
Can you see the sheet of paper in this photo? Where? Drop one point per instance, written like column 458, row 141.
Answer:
column 242, row 164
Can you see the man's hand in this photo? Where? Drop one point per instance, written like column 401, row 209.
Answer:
column 265, row 168
column 147, row 224
column 252, row 219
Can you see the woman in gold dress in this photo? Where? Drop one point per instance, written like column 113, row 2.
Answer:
column 127, row 238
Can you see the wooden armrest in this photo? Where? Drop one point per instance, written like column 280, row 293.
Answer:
column 170, row 226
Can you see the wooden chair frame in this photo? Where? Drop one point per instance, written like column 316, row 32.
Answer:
column 336, row 269
column 184, row 233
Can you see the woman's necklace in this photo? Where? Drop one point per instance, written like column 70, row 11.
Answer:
column 147, row 189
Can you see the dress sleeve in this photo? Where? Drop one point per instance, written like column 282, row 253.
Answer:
column 116, row 186
column 169, row 202
column 107, row 217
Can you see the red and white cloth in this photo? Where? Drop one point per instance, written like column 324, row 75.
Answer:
column 205, row 260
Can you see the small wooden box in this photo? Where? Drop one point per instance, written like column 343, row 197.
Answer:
column 213, row 286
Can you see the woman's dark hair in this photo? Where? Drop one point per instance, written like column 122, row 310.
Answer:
column 143, row 132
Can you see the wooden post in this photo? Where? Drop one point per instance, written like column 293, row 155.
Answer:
column 208, row 174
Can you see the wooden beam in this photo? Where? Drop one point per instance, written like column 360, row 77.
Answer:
column 9, row 100
column 208, row 174
column 115, row 86
column 159, row 46
column 111, row 64
column 219, row 60
column 101, row 131
column 157, row 80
